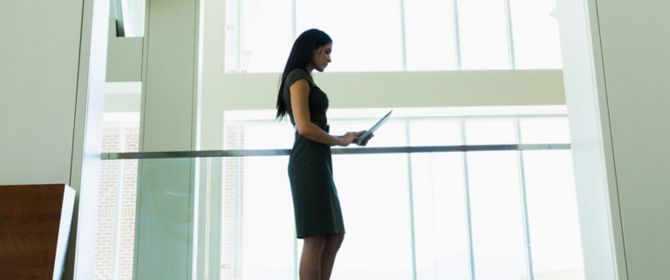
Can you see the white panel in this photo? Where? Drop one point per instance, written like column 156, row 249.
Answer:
column 39, row 55
column 636, row 62
column 169, row 75
column 124, row 61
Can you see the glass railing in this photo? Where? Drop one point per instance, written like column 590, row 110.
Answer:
column 493, row 211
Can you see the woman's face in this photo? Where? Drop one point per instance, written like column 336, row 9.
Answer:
column 321, row 57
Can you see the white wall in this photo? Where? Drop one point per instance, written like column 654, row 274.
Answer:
column 52, row 56
column 124, row 59
column 39, row 55
column 636, row 64
column 616, row 66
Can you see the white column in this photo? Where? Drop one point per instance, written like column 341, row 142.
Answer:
column 616, row 65
column 167, row 192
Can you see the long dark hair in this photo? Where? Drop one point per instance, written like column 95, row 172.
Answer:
column 301, row 55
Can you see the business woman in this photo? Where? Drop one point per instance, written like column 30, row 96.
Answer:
column 318, row 216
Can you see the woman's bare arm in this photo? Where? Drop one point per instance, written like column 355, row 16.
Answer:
column 300, row 106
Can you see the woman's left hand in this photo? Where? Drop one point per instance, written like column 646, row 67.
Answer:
column 360, row 133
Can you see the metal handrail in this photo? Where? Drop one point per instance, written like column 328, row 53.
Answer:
column 335, row 151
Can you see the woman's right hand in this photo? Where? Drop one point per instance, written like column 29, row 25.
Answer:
column 348, row 138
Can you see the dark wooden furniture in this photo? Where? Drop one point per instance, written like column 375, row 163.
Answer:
column 34, row 227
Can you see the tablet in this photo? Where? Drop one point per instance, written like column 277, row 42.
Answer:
column 363, row 138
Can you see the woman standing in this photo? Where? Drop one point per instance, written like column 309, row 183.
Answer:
column 318, row 216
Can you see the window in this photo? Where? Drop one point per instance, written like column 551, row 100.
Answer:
column 422, row 215
column 405, row 35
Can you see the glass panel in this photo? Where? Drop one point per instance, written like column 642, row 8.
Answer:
column 544, row 130
column 165, row 222
column 435, row 133
column 440, row 216
column 483, row 34
column 552, row 214
column 490, row 131
column 430, row 35
column 375, row 206
column 497, row 224
column 365, row 34
column 265, row 35
column 263, row 229
column 535, row 30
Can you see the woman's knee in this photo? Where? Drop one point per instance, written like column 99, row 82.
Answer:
column 316, row 242
column 334, row 241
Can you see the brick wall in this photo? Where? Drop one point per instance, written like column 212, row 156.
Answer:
column 116, row 205
column 233, row 198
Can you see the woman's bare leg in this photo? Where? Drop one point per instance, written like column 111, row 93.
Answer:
column 310, row 261
column 332, row 245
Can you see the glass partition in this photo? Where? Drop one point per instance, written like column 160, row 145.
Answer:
column 504, row 213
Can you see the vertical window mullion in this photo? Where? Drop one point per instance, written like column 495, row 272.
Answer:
column 410, row 189
column 457, row 37
column 510, row 35
column 403, row 36
column 524, row 205
column 468, row 210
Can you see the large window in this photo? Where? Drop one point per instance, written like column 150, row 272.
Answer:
column 403, row 35
column 490, row 214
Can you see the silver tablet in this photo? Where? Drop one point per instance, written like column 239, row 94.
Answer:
column 363, row 138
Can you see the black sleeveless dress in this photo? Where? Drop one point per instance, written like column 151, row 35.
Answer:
column 315, row 201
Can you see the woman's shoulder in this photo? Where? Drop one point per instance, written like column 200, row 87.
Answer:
column 298, row 74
